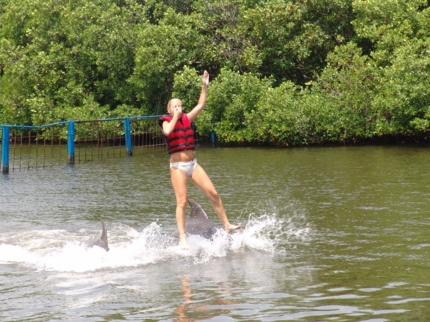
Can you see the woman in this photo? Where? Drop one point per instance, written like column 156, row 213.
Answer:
column 183, row 164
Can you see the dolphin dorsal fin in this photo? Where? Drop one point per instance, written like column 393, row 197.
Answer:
column 196, row 209
column 104, row 233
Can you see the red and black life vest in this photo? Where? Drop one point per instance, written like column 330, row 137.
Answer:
column 182, row 137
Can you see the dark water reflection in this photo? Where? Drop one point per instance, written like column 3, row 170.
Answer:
column 329, row 234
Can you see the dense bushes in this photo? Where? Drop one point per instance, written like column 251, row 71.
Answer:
column 282, row 72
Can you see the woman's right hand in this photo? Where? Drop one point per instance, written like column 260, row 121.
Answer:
column 177, row 111
column 205, row 78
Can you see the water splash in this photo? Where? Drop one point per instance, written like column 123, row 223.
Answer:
column 63, row 251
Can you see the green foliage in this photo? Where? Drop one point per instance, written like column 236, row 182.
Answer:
column 227, row 41
column 400, row 33
column 346, row 86
column 282, row 72
column 155, row 9
column 161, row 51
column 187, row 87
column 61, row 55
column 403, row 94
column 231, row 97
column 279, row 118
column 293, row 38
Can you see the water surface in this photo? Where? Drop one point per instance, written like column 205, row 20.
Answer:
column 328, row 234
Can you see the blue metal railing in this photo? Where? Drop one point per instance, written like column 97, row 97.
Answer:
column 99, row 136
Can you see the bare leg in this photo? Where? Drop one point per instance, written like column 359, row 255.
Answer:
column 204, row 183
column 179, row 183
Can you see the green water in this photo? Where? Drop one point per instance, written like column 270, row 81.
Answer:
column 328, row 234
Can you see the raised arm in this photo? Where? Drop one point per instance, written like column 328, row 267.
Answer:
column 202, row 99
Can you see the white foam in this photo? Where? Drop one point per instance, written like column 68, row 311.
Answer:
column 63, row 251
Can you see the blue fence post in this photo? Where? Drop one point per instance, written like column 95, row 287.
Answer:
column 5, row 150
column 127, row 134
column 71, row 142
column 213, row 138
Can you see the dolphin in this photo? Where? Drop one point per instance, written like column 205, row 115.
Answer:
column 198, row 222
column 102, row 241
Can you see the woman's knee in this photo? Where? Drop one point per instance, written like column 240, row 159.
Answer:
column 181, row 203
column 214, row 196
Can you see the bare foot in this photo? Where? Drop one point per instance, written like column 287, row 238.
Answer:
column 230, row 228
column 183, row 243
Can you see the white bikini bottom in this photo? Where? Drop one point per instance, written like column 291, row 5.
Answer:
column 186, row 166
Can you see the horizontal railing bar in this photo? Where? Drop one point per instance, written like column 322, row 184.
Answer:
column 34, row 127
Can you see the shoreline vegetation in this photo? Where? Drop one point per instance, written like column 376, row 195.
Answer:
column 398, row 140
column 283, row 72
